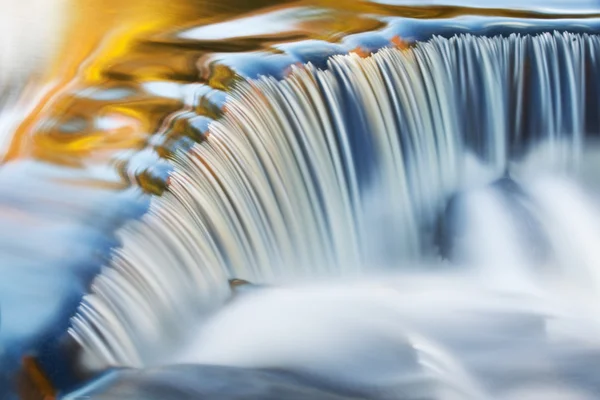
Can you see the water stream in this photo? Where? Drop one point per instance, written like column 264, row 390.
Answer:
column 346, row 173
column 409, row 189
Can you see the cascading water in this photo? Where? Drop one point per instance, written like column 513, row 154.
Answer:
column 347, row 171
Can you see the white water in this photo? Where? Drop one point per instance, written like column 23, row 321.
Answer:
column 499, row 327
column 343, row 173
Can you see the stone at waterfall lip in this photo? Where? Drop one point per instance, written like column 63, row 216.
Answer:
column 241, row 286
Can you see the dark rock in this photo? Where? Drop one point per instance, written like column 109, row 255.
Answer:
column 451, row 226
column 204, row 382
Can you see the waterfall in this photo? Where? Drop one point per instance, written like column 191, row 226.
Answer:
column 334, row 172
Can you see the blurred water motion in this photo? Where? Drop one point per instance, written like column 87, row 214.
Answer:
column 418, row 336
column 90, row 126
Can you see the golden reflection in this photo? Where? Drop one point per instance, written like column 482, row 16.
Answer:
column 96, row 104
column 99, row 43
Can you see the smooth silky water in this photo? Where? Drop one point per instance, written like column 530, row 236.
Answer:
column 409, row 190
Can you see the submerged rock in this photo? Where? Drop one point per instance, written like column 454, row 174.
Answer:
column 183, row 382
column 502, row 211
column 416, row 338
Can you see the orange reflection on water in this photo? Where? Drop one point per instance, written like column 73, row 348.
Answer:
column 97, row 35
column 113, row 45
column 104, row 44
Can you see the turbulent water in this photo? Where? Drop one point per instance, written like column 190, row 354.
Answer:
column 451, row 163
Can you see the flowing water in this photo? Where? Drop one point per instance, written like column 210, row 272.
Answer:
column 410, row 190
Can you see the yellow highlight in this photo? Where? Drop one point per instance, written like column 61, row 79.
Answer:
column 97, row 35
column 108, row 42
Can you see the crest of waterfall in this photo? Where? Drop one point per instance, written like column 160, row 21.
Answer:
column 331, row 172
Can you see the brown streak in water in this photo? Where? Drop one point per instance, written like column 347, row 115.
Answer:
column 361, row 52
column 400, row 43
column 33, row 382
